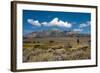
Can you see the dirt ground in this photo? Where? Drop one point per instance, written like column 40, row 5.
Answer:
column 56, row 49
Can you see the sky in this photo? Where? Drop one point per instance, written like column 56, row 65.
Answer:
column 47, row 20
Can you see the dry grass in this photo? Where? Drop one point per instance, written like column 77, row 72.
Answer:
column 50, row 49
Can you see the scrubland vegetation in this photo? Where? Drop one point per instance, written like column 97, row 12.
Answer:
column 56, row 49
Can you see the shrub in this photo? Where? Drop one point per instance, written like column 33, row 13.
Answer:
column 51, row 41
column 36, row 46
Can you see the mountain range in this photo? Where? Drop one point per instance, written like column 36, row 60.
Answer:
column 54, row 33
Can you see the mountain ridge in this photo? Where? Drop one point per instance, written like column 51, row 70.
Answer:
column 54, row 33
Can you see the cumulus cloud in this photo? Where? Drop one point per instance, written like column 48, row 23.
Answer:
column 85, row 24
column 34, row 23
column 78, row 30
column 57, row 22
column 54, row 22
column 45, row 24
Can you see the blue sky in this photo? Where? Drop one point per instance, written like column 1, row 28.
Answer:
column 46, row 20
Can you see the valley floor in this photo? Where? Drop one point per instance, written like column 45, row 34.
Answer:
column 56, row 49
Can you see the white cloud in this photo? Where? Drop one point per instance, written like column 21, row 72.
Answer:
column 54, row 22
column 85, row 24
column 78, row 30
column 34, row 23
column 57, row 22
column 44, row 24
